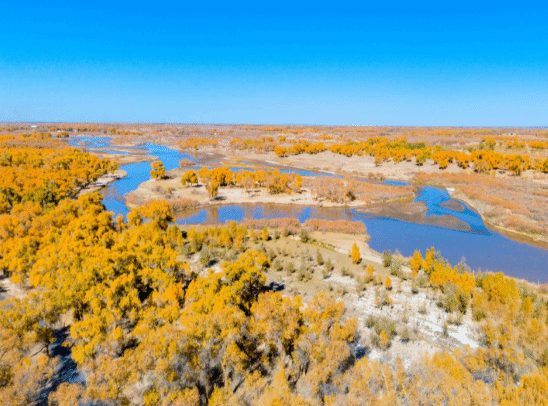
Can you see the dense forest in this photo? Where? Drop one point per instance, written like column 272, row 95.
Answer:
column 146, row 328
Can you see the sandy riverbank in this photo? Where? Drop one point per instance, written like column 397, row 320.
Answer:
column 171, row 189
column 157, row 190
column 414, row 212
column 355, row 166
column 103, row 181
column 481, row 208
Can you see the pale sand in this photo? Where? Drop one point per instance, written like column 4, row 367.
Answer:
column 355, row 165
column 404, row 302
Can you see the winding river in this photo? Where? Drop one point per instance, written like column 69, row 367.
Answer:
column 480, row 246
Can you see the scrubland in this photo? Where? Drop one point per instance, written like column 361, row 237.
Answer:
column 222, row 186
column 494, row 169
column 516, row 204
column 266, row 313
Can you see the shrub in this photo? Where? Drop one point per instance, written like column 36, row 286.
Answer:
column 303, row 272
column 414, row 287
column 463, row 299
column 185, row 250
column 405, row 335
column 277, row 265
column 205, row 256
column 457, row 321
column 384, row 341
column 422, row 280
column 361, row 284
column 343, row 291
column 375, row 339
column 342, row 226
column 185, row 162
column 478, row 315
column 382, row 324
column 378, row 280
column 303, row 275
column 396, row 269
column 180, row 205
column 382, row 299
column 328, row 265
column 319, row 258
column 369, row 273
column 445, row 330
column 386, row 258
column 287, row 225
column 422, row 309
column 290, row 268
column 449, row 301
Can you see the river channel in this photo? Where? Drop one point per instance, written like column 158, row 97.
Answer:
column 482, row 248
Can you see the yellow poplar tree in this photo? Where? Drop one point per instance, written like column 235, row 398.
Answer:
column 416, row 262
column 355, row 254
column 189, row 177
column 158, row 170
column 384, row 341
column 369, row 273
column 388, row 283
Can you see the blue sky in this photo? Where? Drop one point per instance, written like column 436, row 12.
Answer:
column 460, row 63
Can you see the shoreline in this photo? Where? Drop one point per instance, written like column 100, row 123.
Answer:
column 103, row 181
column 203, row 157
column 415, row 214
column 519, row 236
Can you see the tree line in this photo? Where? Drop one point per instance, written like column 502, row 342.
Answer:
column 146, row 329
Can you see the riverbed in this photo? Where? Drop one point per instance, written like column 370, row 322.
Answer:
column 481, row 247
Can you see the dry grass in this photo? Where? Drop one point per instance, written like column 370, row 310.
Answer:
column 341, row 226
column 515, row 203
column 342, row 190
column 293, row 226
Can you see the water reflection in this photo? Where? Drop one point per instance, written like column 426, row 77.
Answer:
column 434, row 197
column 481, row 247
column 137, row 173
column 488, row 251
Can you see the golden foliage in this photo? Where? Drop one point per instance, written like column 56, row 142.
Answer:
column 355, row 254
column 139, row 318
column 158, row 170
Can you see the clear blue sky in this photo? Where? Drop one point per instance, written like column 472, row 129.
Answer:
column 383, row 63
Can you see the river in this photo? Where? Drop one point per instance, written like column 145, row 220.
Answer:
column 481, row 247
